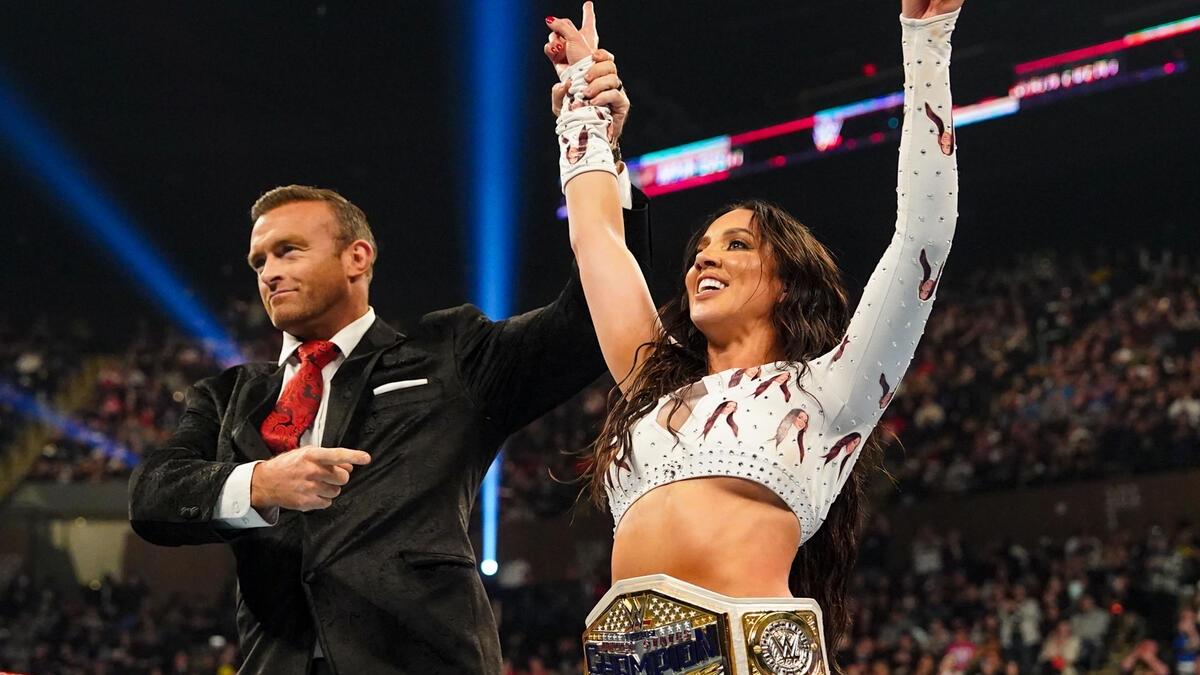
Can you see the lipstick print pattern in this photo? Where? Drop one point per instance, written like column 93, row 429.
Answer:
column 736, row 378
column 848, row 445
column 726, row 408
column 780, row 379
column 928, row 285
column 832, row 403
column 576, row 151
column 585, row 131
column 945, row 134
column 796, row 420
column 841, row 349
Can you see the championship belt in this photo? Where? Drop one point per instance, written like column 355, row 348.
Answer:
column 659, row 625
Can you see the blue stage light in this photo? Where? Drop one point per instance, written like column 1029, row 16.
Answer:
column 43, row 157
column 495, row 77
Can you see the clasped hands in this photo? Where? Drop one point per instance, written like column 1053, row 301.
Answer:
column 567, row 45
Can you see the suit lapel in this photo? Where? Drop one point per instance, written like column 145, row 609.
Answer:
column 255, row 402
column 352, row 377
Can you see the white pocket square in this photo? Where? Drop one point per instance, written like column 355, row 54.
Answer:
column 399, row 384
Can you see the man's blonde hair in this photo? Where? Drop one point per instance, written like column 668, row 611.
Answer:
column 351, row 221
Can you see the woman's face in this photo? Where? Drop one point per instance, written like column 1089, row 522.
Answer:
column 732, row 286
column 946, row 140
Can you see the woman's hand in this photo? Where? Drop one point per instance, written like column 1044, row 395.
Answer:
column 565, row 46
column 924, row 9
column 623, row 313
column 568, row 44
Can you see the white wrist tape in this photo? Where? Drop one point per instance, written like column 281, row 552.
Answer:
column 584, row 130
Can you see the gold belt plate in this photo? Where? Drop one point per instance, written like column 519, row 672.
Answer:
column 648, row 633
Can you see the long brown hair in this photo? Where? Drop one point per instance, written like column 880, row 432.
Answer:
column 809, row 321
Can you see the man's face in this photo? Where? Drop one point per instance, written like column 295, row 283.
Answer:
column 302, row 274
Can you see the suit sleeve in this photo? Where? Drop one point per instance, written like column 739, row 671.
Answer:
column 174, row 492
column 517, row 369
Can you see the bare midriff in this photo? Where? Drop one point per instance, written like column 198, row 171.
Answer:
column 728, row 535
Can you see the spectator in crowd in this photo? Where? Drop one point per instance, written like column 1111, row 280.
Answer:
column 112, row 628
column 1187, row 642
column 1049, row 369
column 1143, row 660
column 1061, row 650
column 1090, row 624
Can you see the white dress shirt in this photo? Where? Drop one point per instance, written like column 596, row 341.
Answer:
column 233, row 505
column 624, row 187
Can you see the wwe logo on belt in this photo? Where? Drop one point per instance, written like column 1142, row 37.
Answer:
column 635, row 608
column 782, row 643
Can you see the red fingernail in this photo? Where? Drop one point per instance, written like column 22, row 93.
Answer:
column 550, row 19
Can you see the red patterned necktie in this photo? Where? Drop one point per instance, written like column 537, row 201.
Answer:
column 301, row 398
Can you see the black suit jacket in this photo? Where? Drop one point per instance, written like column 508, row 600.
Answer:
column 385, row 577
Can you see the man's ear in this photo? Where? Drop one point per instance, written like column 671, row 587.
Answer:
column 361, row 255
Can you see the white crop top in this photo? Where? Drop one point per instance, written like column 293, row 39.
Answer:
column 800, row 436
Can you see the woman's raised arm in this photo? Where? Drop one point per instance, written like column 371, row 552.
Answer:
column 623, row 312
column 861, row 374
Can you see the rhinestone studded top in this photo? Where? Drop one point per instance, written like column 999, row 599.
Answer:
column 798, row 430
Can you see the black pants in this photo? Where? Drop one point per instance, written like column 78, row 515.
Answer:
column 319, row 667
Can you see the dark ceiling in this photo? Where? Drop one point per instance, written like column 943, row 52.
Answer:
column 185, row 111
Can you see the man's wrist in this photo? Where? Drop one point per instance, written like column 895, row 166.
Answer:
column 259, row 495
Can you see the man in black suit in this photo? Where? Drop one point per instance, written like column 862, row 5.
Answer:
column 343, row 476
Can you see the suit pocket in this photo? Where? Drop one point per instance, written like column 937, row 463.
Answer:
column 428, row 561
column 400, row 384
column 388, row 398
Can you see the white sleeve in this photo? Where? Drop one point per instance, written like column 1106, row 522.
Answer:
column 860, row 376
column 233, row 505
column 624, row 187
column 585, row 131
